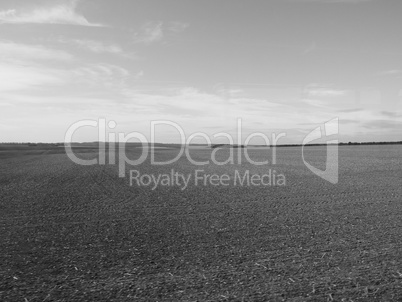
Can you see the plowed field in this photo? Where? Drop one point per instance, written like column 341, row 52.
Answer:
column 71, row 232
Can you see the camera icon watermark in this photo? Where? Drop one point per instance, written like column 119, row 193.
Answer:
column 328, row 131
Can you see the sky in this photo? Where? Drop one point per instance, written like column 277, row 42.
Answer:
column 284, row 66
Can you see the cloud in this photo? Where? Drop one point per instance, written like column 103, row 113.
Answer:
column 384, row 125
column 325, row 92
column 351, row 110
column 177, row 27
column 150, row 32
column 16, row 77
column 315, row 103
column 392, row 72
column 10, row 51
column 155, row 31
column 23, row 66
column 93, row 46
column 98, row 47
column 391, row 114
column 59, row 14
column 348, row 121
column 315, row 90
column 101, row 75
column 196, row 109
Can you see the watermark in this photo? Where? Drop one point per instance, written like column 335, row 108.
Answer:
column 122, row 139
column 328, row 130
column 202, row 178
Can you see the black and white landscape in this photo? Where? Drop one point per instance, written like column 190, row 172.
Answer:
column 205, row 150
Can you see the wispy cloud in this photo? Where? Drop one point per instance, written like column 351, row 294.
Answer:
column 101, row 75
column 351, row 110
column 316, row 90
column 25, row 67
column 202, row 108
column 384, row 125
column 155, row 31
column 15, row 77
column 58, row 14
column 391, row 72
column 150, row 32
column 93, row 46
column 177, row 27
column 10, row 51
column 323, row 92
column 98, row 47
column 391, row 114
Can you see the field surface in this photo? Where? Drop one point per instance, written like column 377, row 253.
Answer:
column 81, row 233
